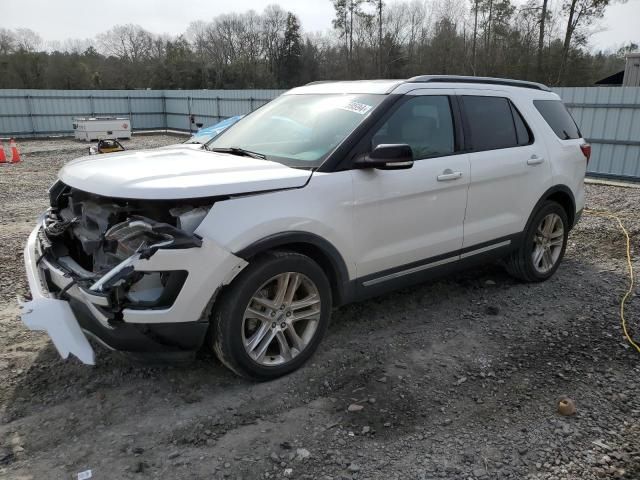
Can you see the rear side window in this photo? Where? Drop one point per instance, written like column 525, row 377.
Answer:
column 558, row 118
column 494, row 123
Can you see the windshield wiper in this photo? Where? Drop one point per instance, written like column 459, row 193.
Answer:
column 238, row 151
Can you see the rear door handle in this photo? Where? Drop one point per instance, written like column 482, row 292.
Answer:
column 535, row 160
column 448, row 175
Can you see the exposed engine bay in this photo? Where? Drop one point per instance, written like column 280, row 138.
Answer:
column 97, row 239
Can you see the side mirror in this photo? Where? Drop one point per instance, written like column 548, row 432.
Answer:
column 387, row 157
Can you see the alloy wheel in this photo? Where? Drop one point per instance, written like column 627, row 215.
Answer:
column 548, row 241
column 281, row 319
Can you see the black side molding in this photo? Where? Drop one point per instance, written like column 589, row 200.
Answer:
column 434, row 267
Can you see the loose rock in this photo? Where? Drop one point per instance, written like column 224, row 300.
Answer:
column 566, row 406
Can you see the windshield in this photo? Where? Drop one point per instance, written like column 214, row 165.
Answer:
column 299, row 130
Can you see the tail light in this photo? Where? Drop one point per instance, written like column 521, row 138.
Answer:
column 586, row 151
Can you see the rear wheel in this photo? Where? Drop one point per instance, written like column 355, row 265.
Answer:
column 543, row 247
column 273, row 316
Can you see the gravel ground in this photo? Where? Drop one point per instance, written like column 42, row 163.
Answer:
column 457, row 379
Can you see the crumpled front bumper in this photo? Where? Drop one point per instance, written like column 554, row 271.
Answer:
column 171, row 332
column 50, row 314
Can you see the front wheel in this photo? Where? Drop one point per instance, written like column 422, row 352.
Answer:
column 273, row 316
column 542, row 249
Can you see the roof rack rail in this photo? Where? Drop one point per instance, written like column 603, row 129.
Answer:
column 482, row 80
column 318, row 82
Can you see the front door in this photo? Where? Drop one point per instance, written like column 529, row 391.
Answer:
column 408, row 220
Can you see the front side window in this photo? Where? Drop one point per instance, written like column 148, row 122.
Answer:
column 424, row 123
column 559, row 119
column 299, row 130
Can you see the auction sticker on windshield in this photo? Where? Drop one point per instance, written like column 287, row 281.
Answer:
column 356, row 107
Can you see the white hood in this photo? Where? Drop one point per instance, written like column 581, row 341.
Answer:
column 176, row 173
column 180, row 146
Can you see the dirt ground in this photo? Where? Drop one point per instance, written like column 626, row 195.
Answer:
column 457, row 378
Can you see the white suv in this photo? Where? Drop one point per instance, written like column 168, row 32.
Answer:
column 333, row 192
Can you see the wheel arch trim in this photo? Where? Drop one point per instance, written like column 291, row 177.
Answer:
column 551, row 192
column 297, row 240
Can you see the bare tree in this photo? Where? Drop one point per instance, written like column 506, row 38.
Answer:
column 580, row 13
column 196, row 35
column 126, row 42
column 370, row 38
column 476, row 6
column 418, row 27
column 8, row 42
column 28, row 41
column 274, row 27
column 353, row 7
column 379, row 5
column 76, row 45
column 341, row 23
column 543, row 20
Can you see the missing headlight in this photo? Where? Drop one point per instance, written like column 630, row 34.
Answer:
column 130, row 237
column 144, row 236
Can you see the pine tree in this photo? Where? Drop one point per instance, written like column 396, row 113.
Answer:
column 291, row 52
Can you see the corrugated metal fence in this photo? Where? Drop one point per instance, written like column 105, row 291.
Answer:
column 29, row 113
column 609, row 117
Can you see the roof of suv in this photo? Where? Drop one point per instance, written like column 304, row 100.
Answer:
column 351, row 86
column 390, row 86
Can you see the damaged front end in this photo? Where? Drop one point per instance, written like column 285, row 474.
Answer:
column 95, row 256
column 97, row 242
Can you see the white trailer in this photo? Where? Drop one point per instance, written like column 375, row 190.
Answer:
column 100, row 128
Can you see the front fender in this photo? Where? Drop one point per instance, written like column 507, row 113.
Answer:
column 321, row 211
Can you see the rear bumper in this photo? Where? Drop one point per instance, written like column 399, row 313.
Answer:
column 173, row 332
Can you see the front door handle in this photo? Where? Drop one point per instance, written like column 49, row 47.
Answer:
column 448, row 175
column 535, row 160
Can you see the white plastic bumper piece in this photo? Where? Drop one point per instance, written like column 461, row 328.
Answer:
column 49, row 314
column 56, row 318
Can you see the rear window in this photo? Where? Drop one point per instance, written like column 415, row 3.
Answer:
column 558, row 118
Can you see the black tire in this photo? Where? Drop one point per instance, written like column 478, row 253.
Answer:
column 520, row 263
column 228, row 313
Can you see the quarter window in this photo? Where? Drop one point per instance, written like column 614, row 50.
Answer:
column 424, row 123
column 559, row 119
column 522, row 131
column 494, row 123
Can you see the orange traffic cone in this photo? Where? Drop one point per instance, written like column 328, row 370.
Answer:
column 3, row 157
column 15, row 154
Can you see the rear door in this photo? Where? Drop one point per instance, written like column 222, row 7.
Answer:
column 509, row 167
column 406, row 221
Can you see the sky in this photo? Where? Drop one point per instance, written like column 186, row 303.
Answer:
column 62, row 19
